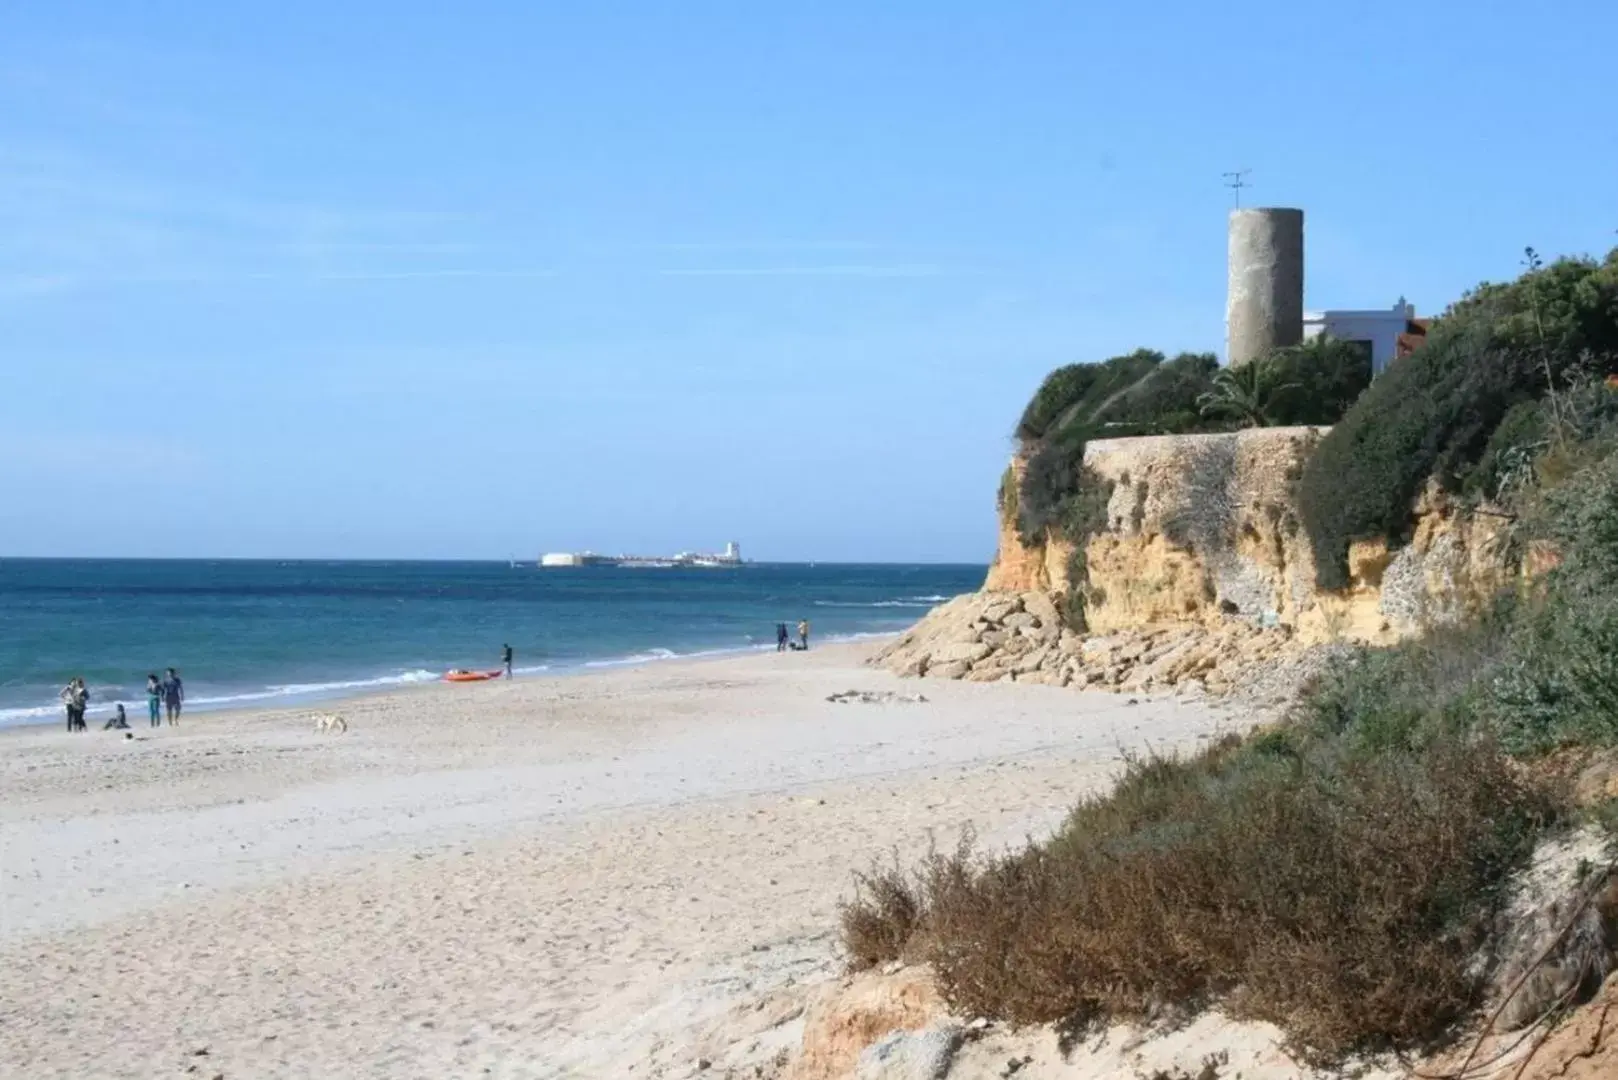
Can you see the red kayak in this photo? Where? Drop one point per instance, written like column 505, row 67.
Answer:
column 471, row 676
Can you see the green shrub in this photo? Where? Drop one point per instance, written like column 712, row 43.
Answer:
column 1051, row 477
column 1329, row 376
column 1432, row 415
column 1076, row 391
column 1006, row 498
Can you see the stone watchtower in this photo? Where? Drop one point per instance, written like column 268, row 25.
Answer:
column 1264, row 299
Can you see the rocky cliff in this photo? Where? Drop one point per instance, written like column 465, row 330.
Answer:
column 1201, row 549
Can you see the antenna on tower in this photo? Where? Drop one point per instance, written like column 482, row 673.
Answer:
column 1236, row 181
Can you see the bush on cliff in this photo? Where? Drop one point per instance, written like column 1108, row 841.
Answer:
column 1433, row 415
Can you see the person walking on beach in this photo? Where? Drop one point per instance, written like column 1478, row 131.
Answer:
column 803, row 634
column 505, row 658
column 780, row 637
column 154, row 701
column 173, row 696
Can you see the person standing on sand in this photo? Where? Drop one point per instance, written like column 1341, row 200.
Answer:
column 173, row 696
column 803, row 634
column 780, row 637
column 505, row 658
column 154, row 701
column 70, row 698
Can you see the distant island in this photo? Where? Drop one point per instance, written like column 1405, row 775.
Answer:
column 731, row 556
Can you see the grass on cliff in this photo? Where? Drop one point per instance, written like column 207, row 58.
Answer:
column 1503, row 352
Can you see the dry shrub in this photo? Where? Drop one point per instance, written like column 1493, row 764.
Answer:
column 1336, row 894
column 883, row 918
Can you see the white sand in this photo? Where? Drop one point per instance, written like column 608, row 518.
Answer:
column 546, row 878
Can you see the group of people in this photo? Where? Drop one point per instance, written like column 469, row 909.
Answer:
column 162, row 695
column 783, row 640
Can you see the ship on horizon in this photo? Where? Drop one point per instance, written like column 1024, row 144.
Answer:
column 731, row 556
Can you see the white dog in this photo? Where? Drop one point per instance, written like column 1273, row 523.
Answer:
column 330, row 724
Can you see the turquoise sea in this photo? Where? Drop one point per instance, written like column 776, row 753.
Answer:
column 247, row 633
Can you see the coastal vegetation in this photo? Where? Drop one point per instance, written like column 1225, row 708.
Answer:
column 1481, row 396
column 1340, row 872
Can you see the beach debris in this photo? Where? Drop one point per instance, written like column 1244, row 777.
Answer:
column 875, row 697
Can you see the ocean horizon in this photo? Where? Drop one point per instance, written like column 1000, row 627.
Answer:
column 271, row 632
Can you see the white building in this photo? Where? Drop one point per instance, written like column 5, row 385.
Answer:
column 1380, row 329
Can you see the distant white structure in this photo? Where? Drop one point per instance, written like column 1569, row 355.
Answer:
column 1380, row 329
column 732, row 556
column 567, row 558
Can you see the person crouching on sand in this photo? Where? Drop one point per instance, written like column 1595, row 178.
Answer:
column 173, row 696
column 154, row 701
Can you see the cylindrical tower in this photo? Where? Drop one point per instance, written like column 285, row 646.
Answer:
column 1264, row 299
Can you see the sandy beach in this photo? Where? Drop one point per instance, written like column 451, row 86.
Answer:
column 587, row 876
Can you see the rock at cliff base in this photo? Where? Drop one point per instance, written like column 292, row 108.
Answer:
column 910, row 1055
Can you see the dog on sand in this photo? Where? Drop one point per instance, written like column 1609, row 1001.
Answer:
column 330, row 724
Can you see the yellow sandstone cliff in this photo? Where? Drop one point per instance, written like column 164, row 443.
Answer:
column 1202, row 576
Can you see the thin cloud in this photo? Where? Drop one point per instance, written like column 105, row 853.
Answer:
column 776, row 247
column 853, row 271
column 14, row 286
column 411, row 275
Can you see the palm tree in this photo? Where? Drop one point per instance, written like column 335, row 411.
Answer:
column 1245, row 393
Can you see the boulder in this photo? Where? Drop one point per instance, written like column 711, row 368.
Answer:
column 910, row 1055
column 998, row 608
column 970, row 652
column 1019, row 619
column 1042, row 607
column 952, row 670
column 1030, row 662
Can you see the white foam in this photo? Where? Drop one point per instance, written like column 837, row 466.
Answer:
column 916, row 602
column 646, row 657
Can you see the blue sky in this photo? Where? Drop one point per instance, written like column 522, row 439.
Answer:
column 478, row 280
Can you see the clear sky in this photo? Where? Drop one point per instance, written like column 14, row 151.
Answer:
column 416, row 279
